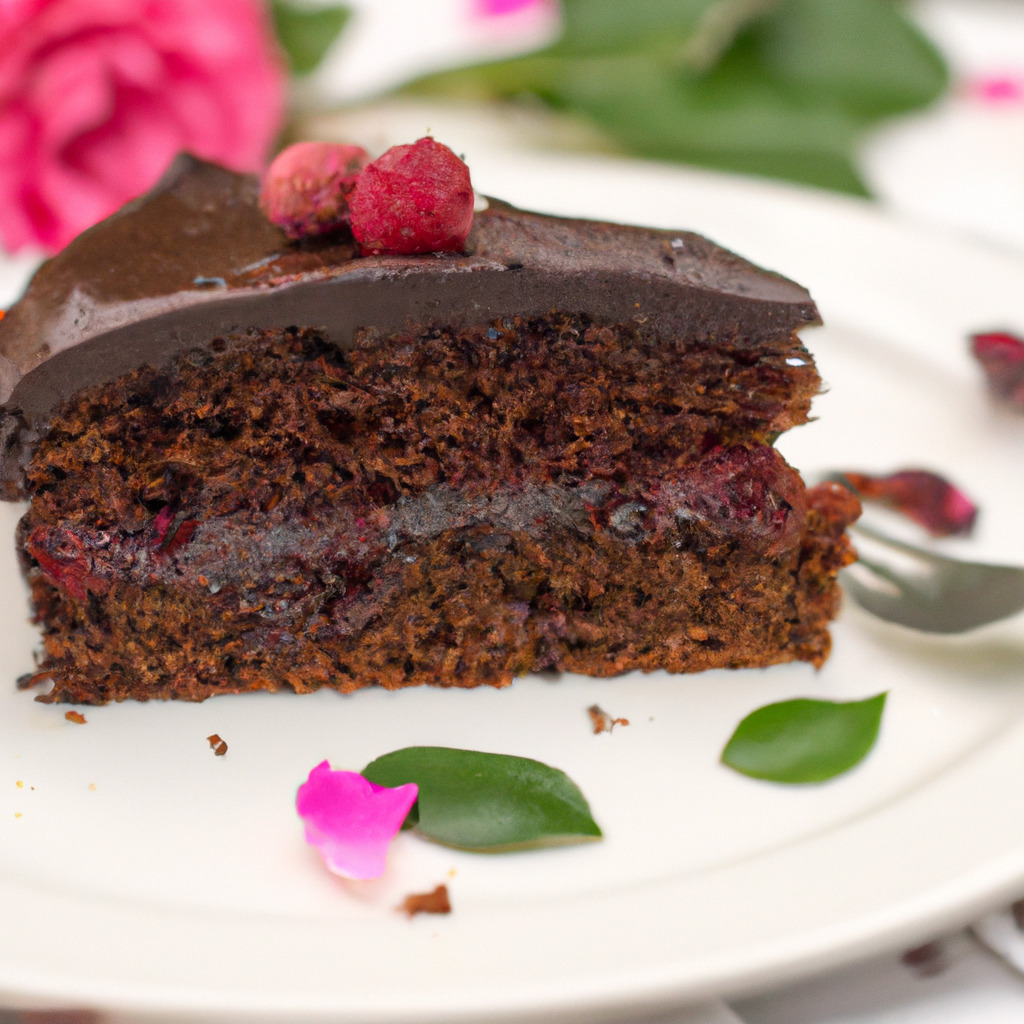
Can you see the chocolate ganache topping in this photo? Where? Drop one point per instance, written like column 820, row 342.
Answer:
column 194, row 260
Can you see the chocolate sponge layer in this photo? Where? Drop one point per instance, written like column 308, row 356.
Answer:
column 452, row 507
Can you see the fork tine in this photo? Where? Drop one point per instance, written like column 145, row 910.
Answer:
column 913, row 587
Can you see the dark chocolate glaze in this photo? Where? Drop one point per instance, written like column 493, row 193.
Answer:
column 194, row 259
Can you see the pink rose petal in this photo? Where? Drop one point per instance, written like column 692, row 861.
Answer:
column 1001, row 356
column 499, row 8
column 997, row 89
column 925, row 497
column 351, row 820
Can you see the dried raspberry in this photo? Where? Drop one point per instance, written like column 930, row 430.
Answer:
column 413, row 199
column 306, row 189
column 928, row 499
column 1002, row 358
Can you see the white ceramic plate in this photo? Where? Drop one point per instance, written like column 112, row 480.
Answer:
column 141, row 873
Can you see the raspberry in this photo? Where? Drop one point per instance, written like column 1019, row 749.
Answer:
column 413, row 199
column 306, row 189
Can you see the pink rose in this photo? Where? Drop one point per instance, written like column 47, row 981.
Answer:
column 98, row 96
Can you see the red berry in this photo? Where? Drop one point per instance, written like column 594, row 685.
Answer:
column 413, row 199
column 306, row 189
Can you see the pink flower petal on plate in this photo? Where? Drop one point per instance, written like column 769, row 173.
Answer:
column 925, row 497
column 351, row 820
column 1001, row 356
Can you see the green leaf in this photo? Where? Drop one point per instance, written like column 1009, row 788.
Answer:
column 804, row 740
column 862, row 54
column 785, row 88
column 305, row 34
column 605, row 26
column 732, row 118
column 482, row 801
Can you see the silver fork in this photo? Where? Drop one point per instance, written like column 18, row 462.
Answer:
column 911, row 586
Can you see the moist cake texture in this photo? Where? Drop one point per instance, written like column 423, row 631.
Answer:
column 259, row 465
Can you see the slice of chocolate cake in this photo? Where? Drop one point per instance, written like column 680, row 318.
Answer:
column 257, row 464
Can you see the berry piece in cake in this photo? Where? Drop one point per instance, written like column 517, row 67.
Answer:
column 413, row 199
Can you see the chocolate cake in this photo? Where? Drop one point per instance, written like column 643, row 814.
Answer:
column 258, row 464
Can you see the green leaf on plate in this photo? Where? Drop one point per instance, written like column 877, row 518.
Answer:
column 305, row 34
column 482, row 801
column 804, row 740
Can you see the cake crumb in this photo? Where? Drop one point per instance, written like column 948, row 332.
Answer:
column 219, row 747
column 1017, row 910
column 927, row 960
column 30, row 679
column 75, row 716
column 602, row 721
column 435, row 902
